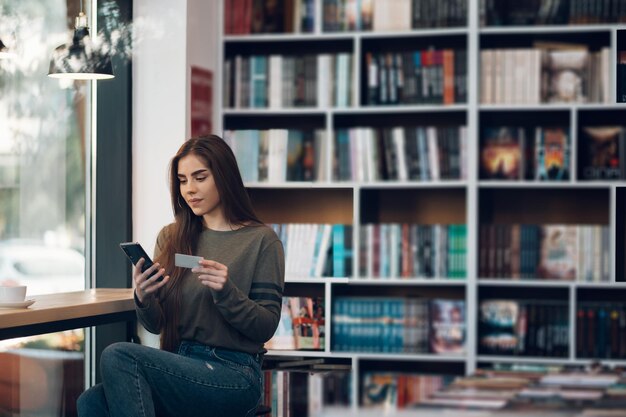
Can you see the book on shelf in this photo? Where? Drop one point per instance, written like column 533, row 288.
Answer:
column 552, row 154
column 288, row 81
column 551, row 394
column 602, row 153
column 580, row 379
column 499, row 320
column 301, row 325
column 316, row 250
column 531, row 373
column 496, row 383
column 429, row 76
column 379, row 390
column 337, row 388
column 545, row 73
column 405, row 251
column 601, row 330
column 567, row 76
column 504, row 73
column 421, row 153
column 562, row 391
column 287, row 393
column 391, row 15
column 551, row 12
column 447, row 320
column 527, row 398
column 397, row 391
column 501, row 154
column 293, row 393
column 284, row 336
column 523, row 328
column 307, row 316
column 279, row 155
column 347, row 15
column 466, row 403
column 243, row 17
column 506, row 154
column 452, row 392
column 397, row 325
column 559, row 252
column 621, row 76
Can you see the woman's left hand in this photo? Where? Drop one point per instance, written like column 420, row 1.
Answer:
column 212, row 274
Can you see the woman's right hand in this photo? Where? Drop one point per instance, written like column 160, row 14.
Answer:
column 145, row 286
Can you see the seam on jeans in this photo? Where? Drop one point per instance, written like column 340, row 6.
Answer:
column 143, row 409
column 198, row 382
column 253, row 409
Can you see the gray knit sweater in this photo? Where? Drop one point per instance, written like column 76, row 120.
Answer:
column 245, row 314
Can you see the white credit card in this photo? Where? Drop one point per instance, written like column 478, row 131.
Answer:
column 187, row 261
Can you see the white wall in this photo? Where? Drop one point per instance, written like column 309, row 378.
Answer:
column 203, row 48
column 171, row 36
column 159, row 109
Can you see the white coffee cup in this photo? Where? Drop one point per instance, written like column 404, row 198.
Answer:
column 13, row 294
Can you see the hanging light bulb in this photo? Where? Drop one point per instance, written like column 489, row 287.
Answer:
column 79, row 60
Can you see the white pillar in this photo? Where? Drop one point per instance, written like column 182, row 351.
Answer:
column 170, row 37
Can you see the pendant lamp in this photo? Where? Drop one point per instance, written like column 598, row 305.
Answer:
column 5, row 53
column 79, row 60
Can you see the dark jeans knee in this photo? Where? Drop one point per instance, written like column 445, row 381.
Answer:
column 116, row 356
column 92, row 402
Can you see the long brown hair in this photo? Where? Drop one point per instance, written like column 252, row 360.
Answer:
column 183, row 235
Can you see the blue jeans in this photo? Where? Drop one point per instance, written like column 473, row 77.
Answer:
column 198, row 381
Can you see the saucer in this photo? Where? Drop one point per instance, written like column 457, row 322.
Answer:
column 17, row 304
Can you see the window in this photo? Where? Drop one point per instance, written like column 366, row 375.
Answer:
column 44, row 137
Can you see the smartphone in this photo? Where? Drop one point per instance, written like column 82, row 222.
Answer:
column 135, row 252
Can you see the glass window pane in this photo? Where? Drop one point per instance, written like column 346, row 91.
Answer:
column 44, row 130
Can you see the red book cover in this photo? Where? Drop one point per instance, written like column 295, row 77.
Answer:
column 580, row 333
column 591, row 332
column 201, row 98
column 228, row 17
column 406, row 251
column 376, row 251
column 247, row 17
column 402, row 387
column 448, row 76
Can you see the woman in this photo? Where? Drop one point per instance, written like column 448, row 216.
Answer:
column 213, row 319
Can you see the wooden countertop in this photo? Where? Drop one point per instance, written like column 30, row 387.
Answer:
column 69, row 306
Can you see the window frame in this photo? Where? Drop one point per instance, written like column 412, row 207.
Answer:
column 109, row 194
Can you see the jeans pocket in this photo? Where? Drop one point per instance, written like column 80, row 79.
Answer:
column 236, row 358
column 238, row 361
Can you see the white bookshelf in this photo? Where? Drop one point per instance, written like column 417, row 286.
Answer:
column 409, row 282
column 471, row 187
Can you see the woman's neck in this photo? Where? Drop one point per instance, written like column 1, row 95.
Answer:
column 220, row 224
column 216, row 223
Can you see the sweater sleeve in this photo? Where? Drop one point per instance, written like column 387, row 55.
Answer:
column 256, row 315
column 150, row 313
